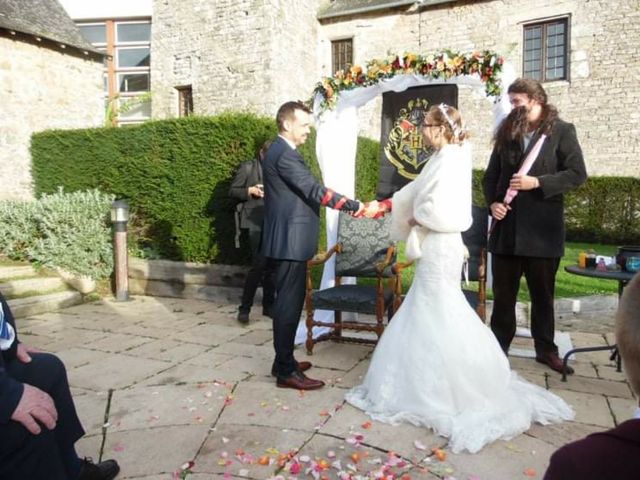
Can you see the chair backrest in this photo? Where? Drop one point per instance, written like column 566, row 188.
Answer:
column 476, row 238
column 364, row 244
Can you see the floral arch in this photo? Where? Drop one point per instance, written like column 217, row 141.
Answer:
column 337, row 99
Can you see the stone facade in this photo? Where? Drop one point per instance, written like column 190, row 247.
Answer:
column 41, row 88
column 239, row 55
column 249, row 55
column 600, row 98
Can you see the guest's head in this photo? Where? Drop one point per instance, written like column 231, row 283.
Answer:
column 263, row 150
column 531, row 111
column 442, row 125
column 628, row 332
column 294, row 122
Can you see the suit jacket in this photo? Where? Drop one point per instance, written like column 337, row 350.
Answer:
column 10, row 389
column 292, row 200
column 535, row 225
column 614, row 454
column 251, row 209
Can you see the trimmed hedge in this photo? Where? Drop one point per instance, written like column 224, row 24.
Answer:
column 176, row 174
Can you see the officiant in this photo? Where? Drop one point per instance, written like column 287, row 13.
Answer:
column 529, row 232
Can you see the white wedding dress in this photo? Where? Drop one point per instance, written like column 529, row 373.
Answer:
column 437, row 365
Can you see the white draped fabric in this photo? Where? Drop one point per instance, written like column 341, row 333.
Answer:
column 337, row 136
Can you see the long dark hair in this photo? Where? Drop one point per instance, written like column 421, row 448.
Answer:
column 515, row 126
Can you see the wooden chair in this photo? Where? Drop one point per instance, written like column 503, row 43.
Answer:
column 364, row 250
column 475, row 240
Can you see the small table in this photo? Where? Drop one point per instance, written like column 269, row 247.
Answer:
column 623, row 278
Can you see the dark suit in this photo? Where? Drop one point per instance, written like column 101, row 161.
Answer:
column 22, row 454
column 530, row 239
column 614, row 454
column 251, row 212
column 292, row 203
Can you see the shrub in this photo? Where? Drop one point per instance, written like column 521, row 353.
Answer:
column 62, row 230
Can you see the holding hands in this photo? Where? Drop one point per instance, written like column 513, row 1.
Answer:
column 372, row 209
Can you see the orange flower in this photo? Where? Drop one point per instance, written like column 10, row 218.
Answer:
column 440, row 454
column 264, row 460
column 356, row 70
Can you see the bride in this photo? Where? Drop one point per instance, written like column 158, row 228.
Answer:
column 437, row 365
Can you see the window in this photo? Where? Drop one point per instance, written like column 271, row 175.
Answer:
column 545, row 50
column 127, row 70
column 341, row 54
column 185, row 101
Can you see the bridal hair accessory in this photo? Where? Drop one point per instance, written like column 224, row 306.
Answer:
column 454, row 128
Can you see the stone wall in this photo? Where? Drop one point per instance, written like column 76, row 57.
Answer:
column 41, row 88
column 601, row 98
column 249, row 55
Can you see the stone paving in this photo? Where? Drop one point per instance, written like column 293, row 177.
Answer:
column 159, row 382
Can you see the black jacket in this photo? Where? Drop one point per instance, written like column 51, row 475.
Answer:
column 251, row 209
column 534, row 227
column 10, row 389
column 292, row 200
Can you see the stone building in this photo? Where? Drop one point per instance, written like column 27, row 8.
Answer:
column 50, row 78
column 216, row 55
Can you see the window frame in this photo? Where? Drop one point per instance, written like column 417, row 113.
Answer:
column 545, row 24
column 336, row 42
column 185, row 109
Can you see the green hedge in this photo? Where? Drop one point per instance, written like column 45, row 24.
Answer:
column 176, row 174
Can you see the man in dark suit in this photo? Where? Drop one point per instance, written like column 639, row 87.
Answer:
column 38, row 421
column 528, row 235
column 292, row 203
column 614, row 454
column 247, row 187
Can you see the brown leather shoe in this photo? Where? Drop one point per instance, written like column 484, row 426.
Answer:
column 302, row 367
column 299, row 381
column 554, row 362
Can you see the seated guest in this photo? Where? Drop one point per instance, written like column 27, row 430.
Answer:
column 616, row 452
column 38, row 421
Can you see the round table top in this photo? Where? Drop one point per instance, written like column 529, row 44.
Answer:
column 621, row 276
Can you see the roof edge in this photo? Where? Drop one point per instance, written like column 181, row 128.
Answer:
column 392, row 4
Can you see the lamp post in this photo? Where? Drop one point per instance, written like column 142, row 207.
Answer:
column 119, row 218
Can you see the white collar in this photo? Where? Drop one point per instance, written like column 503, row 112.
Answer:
column 637, row 413
column 288, row 142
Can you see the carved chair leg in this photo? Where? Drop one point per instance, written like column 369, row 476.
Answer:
column 337, row 318
column 309, row 343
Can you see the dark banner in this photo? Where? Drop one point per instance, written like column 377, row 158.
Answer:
column 402, row 154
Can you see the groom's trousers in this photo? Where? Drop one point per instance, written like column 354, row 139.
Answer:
column 290, row 292
column 540, row 274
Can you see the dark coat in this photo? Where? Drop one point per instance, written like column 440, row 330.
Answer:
column 292, row 200
column 614, row 454
column 535, row 225
column 251, row 209
column 10, row 389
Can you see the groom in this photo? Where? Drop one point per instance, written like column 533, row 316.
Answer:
column 292, row 203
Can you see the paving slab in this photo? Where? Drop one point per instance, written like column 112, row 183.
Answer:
column 115, row 370
column 560, row 434
column 141, row 407
column 210, row 334
column 610, row 372
column 183, row 373
column 118, row 342
column 348, row 421
column 622, row 408
column 168, row 350
column 210, row 358
column 78, row 356
column 521, row 457
column 236, row 449
column 357, row 459
column 337, row 356
column 256, row 337
column 91, row 408
column 591, row 385
column 261, row 403
column 154, row 451
column 590, row 409
column 245, row 350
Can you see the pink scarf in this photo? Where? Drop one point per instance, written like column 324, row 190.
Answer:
column 525, row 167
